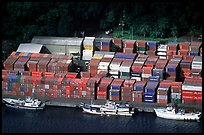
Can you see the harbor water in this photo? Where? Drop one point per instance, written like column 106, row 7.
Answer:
column 73, row 120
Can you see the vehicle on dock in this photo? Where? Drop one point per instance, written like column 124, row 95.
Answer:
column 30, row 103
column 172, row 112
column 109, row 108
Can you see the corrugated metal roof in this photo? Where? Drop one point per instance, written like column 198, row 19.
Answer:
column 57, row 40
column 29, row 47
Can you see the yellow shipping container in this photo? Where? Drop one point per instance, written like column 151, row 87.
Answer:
column 97, row 57
column 88, row 47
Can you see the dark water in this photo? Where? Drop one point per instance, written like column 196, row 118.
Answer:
column 72, row 120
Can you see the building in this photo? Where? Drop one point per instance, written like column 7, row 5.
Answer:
column 61, row 45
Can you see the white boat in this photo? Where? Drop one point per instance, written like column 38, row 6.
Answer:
column 110, row 108
column 29, row 103
column 176, row 114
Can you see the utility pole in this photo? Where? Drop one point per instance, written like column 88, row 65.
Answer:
column 122, row 25
column 132, row 32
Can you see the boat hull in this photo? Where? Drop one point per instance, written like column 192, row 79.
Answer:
column 162, row 113
column 97, row 111
column 14, row 106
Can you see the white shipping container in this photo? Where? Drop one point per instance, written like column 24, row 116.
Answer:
column 191, row 87
column 137, row 78
column 146, row 75
column 161, row 53
column 108, row 56
column 162, row 57
column 176, row 95
column 196, row 65
column 114, row 66
column 162, row 47
column 124, row 69
column 113, row 72
column 162, row 97
column 47, row 86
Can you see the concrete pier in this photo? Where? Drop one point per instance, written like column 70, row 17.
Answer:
column 140, row 107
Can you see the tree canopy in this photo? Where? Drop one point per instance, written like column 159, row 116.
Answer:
column 23, row 20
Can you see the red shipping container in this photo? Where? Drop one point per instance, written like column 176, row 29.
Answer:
column 162, row 101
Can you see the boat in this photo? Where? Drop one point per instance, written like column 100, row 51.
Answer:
column 109, row 108
column 171, row 112
column 30, row 103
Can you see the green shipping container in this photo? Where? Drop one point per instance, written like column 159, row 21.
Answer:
column 125, row 74
column 141, row 48
column 176, row 100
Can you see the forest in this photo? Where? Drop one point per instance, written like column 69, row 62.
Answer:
column 23, row 20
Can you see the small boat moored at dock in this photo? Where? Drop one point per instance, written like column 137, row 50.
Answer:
column 110, row 108
column 29, row 103
column 177, row 114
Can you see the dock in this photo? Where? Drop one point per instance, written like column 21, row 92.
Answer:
column 69, row 102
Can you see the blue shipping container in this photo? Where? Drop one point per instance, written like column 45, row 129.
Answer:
column 138, row 87
column 151, row 43
column 114, row 93
column 193, row 53
column 154, row 78
column 115, row 87
column 129, row 56
column 136, row 74
column 158, row 72
column 170, row 69
column 149, row 90
column 103, row 43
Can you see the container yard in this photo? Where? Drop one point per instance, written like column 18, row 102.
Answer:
column 146, row 74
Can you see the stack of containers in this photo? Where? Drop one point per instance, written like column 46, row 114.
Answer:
column 126, row 90
column 71, row 75
column 33, row 61
column 114, row 67
column 138, row 91
column 115, row 89
column 66, row 87
column 150, row 92
column 162, row 51
column 105, row 44
column 103, row 88
column 136, row 69
column 20, row 64
column 148, row 67
column 74, row 88
column 83, row 91
column 194, row 48
column 10, row 61
column 196, row 66
column 91, row 85
column 88, row 45
column 125, row 68
column 152, row 48
column 185, row 66
column 85, row 74
column 104, row 64
column 42, row 65
column 159, row 69
column 176, row 92
column 200, row 53
column 172, row 48
column 183, row 48
column 173, row 69
column 163, row 92
column 192, row 90
column 141, row 46
column 117, row 45
column 130, row 46
column 98, row 55
column 93, row 67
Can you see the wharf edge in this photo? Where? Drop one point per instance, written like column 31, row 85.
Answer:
column 140, row 107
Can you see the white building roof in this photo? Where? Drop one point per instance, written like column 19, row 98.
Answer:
column 29, row 47
column 45, row 40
